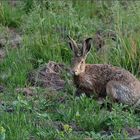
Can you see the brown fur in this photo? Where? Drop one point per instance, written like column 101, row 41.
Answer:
column 103, row 79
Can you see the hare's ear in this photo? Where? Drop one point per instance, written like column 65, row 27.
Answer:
column 86, row 46
column 73, row 45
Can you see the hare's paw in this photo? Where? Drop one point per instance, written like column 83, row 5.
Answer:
column 78, row 93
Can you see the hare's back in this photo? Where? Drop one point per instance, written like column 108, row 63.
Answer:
column 106, row 72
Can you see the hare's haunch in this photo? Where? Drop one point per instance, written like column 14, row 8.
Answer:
column 102, row 79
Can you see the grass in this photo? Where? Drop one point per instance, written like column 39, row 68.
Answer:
column 44, row 26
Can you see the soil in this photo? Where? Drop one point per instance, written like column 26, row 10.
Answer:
column 11, row 37
column 48, row 76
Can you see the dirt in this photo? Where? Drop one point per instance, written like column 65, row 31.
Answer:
column 88, row 139
column 48, row 76
column 10, row 37
column 133, row 133
column 98, row 40
column 14, row 2
column 27, row 91
column 60, row 126
column 100, row 37
column 2, row 53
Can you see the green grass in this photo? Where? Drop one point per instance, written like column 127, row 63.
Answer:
column 44, row 26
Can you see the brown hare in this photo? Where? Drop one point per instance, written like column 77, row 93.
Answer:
column 103, row 79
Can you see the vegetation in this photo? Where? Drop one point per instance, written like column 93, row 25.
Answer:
column 44, row 26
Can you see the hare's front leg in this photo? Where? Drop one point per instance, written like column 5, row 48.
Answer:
column 117, row 91
column 78, row 92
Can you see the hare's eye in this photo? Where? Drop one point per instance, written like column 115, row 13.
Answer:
column 81, row 62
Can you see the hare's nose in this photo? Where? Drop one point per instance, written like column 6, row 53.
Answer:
column 73, row 72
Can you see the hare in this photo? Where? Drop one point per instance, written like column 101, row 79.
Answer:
column 103, row 79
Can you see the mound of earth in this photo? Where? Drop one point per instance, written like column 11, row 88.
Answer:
column 49, row 76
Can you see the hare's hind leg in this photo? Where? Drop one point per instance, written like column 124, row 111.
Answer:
column 117, row 91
